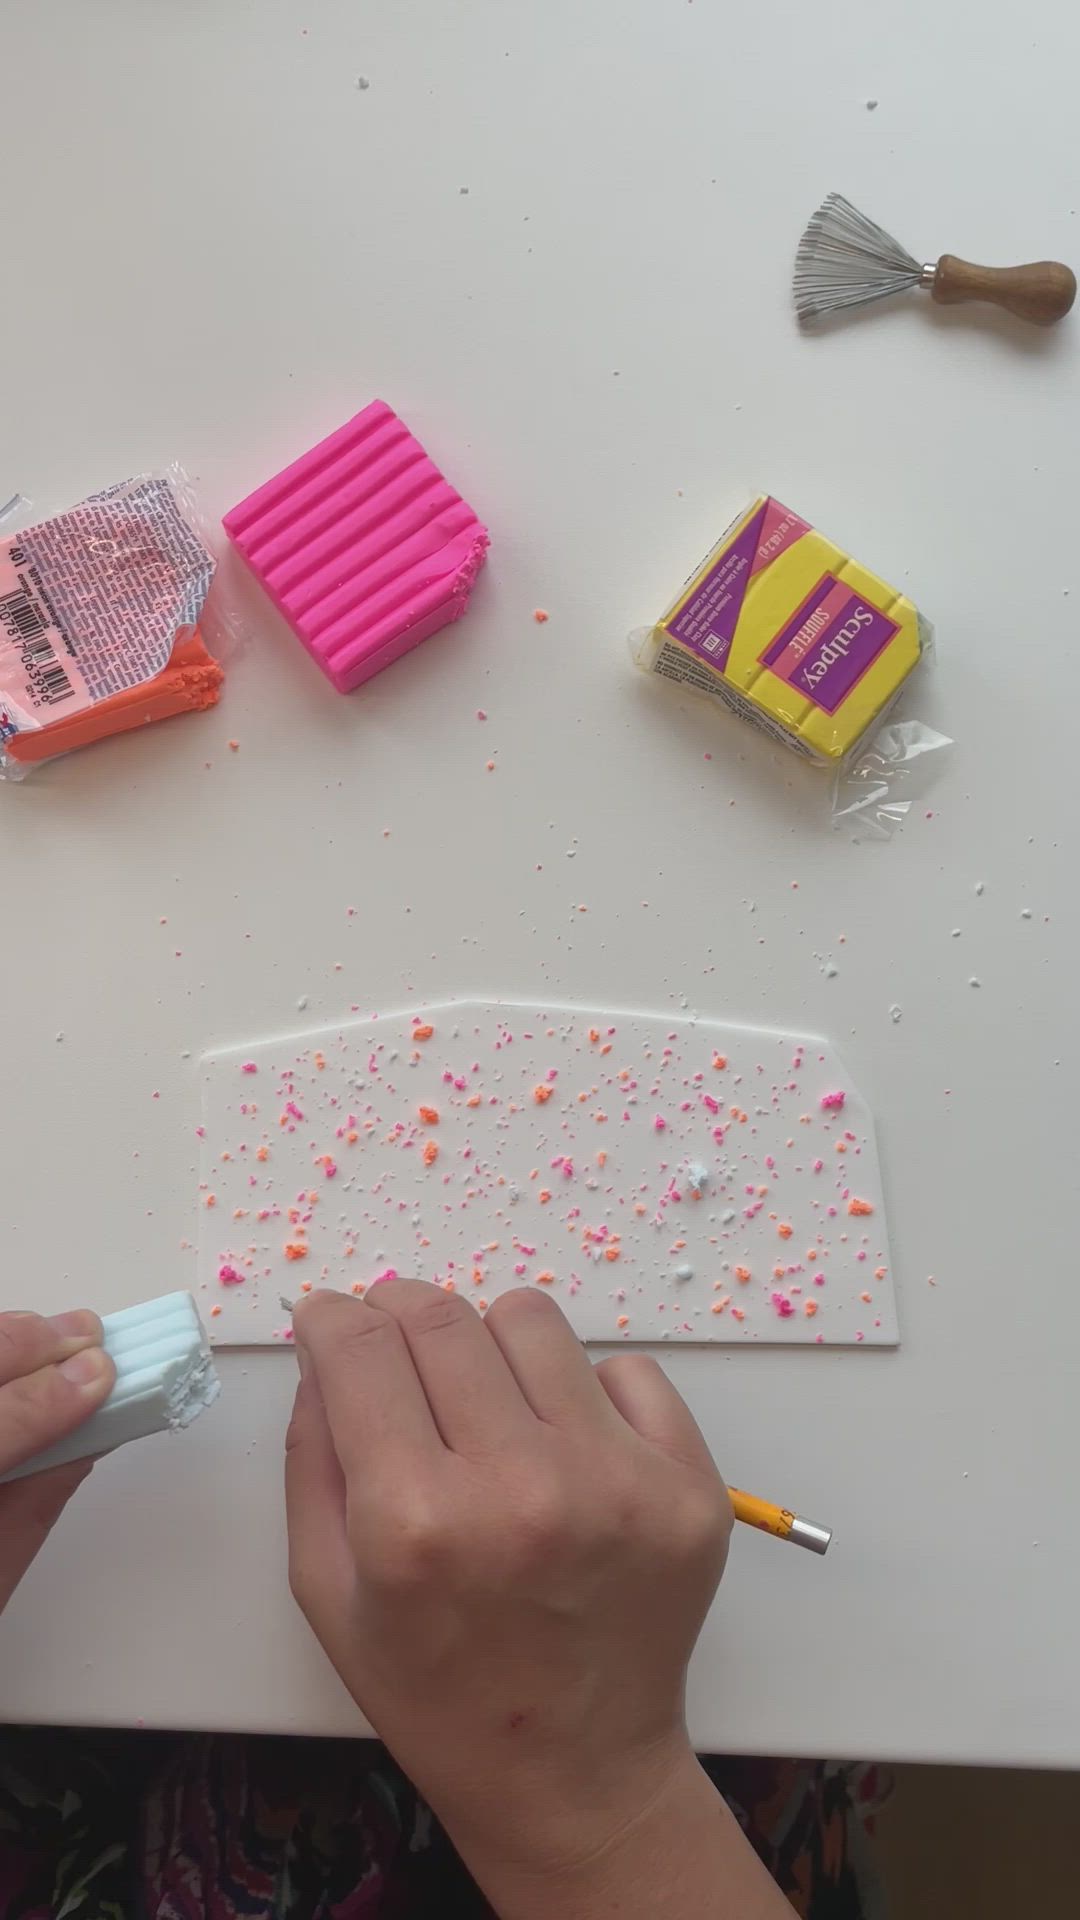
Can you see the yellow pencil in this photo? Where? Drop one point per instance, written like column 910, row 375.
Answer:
column 779, row 1521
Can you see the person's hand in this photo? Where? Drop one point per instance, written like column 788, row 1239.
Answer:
column 53, row 1376
column 508, row 1554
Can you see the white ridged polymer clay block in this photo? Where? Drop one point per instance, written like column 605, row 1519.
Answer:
column 165, row 1378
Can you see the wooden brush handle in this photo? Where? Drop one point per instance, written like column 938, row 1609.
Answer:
column 1043, row 291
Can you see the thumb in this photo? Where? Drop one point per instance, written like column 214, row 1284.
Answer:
column 37, row 1409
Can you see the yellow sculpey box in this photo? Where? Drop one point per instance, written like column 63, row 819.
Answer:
column 791, row 633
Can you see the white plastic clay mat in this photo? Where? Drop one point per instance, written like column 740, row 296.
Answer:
column 665, row 1180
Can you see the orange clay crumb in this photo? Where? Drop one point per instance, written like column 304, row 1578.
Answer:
column 211, row 1200
column 545, row 1279
column 477, row 1276
column 840, row 1147
column 859, row 1207
column 473, row 1100
column 482, row 1306
column 429, row 1116
column 640, row 1209
column 262, row 1153
column 866, row 1298
column 718, row 1306
column 541, row 616
column 295, row 1250
column 742, row 1275
column 234, row 746
column 320, row 1060
column 880, row 1272
column 431, row 1153
column 612, row 1253
column 306, row 1285
column 541, row 1094
column 623, row 1320
column 601, row 1158
column 809, row 1307
column 737, row 1313
column 357, row 1286
column 214, row 1311
column 779, row 1272
column 594, row 1034
column 719, row 1061
column 785, row 1229
column 423, row 1032
column 347, row 1252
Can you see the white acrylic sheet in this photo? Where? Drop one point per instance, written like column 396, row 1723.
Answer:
column 664, row 1179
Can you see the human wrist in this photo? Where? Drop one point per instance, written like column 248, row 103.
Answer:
column 575, row 1841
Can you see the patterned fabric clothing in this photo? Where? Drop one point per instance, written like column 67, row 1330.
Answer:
column 149, row 1826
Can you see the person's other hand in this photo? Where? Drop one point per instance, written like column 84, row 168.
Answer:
column 508, row 1554
column 53, row 1376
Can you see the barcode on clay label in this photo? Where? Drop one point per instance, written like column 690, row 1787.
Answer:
column 25, row 626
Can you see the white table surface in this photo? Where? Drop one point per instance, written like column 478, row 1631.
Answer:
column 217, row 247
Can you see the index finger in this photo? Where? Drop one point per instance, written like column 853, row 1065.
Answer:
column 370, row 1388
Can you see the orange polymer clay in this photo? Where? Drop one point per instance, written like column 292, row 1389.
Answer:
column 188, row 683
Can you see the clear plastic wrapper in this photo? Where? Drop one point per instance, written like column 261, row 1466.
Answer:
column 104, row 624
column 876, row 790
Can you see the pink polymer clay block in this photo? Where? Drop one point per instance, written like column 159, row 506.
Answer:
column 363, row 545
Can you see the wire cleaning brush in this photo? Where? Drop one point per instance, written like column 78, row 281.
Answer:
column 845, row 260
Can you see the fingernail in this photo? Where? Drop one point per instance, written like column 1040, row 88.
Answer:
column 80, row 1324
column 302, row 1361
column 85, row 1369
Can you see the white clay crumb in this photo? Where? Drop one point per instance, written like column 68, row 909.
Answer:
column 1025, row 913
column 895, row 1013
column 59, row 1036
column 974, row 981
column 831, row 971
column 871, row 106
column 302, row 1002
column 979, row 886
column 362, row 83
column 956, row 933
column 684, row 1271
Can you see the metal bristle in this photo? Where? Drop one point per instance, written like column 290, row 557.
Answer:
column 845, row 260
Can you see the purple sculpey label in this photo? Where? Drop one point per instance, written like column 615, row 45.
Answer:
column 706, row 624
column 829, row 643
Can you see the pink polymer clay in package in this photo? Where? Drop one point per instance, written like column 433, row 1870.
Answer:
column 99, row 620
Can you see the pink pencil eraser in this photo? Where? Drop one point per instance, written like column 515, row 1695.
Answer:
column 362, row 545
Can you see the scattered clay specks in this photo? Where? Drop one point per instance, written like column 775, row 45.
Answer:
column 659, row 1187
